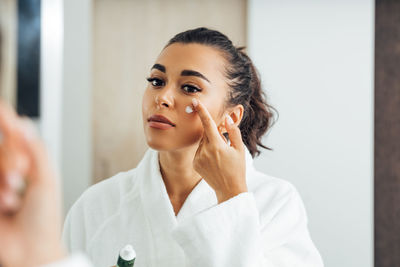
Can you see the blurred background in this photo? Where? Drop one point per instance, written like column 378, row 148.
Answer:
column 78, row 68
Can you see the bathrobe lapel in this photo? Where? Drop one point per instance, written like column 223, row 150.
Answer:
column 203, row 196
column 156, row 202
column 159, row 211
column 243, row 231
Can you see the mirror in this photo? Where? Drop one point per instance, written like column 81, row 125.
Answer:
column 315, row 61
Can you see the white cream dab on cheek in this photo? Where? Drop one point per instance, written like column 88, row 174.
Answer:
column 189, row 109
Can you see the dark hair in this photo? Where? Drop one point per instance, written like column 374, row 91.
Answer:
column 245, row 84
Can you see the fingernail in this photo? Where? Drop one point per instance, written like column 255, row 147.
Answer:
column 15, row 181
column 230, row 121
column 195, row 102
column 9, row 200
column 189, row 109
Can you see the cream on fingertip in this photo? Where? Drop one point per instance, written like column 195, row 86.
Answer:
column 195, row 102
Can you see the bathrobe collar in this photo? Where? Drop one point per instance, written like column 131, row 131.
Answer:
column 158, row 207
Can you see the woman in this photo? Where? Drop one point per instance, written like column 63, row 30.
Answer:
column 195, row 199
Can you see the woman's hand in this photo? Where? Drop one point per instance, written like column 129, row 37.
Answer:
column 30, row 224
column 221, row 165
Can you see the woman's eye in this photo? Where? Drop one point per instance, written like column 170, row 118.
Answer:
column 155, row 82
column 189, row 89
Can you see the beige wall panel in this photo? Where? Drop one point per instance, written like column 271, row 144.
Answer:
column 8, row 65
column 128, row 37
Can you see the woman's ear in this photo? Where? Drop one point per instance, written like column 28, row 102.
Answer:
column 236, row 114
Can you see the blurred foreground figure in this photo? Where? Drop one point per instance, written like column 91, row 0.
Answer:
column 30, row 199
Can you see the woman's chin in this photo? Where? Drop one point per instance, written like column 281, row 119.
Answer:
column 159, row 145
column 172, row 146
column 172, row 142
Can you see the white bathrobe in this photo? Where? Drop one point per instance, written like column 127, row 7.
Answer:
column 266, row 226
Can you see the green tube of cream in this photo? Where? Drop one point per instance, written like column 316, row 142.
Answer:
column 126, row 257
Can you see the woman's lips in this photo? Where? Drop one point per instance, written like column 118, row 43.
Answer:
column 160, row 125
column 160, row 118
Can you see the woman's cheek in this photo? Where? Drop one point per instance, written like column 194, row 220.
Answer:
column 193, row 129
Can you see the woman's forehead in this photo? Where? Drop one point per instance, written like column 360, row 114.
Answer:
column 201, row 58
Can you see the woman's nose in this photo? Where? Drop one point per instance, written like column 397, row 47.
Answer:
column 164, row 98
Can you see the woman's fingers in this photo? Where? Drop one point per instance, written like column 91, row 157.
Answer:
column 11, row 188
column 13, row 161
column 7, row 121
column 23, row 157
column 40, row 168
column 235, row 136
column 210, row 128
column 9, row 201
column 10, row 141
column 223, row 137
column 12, row 181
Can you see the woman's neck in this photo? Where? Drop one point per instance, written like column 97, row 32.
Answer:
column 178, row 173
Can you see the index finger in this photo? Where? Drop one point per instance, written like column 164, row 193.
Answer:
column 210, row 128
column 7, row 121
column 13, row 159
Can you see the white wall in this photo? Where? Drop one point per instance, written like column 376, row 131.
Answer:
column 316, row 61
column 51, row 60
column 76, row 114
column 65, row 122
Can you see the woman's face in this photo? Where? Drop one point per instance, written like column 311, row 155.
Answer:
column 183, row 72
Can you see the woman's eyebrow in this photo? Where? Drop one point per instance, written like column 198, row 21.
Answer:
column 183, row 73
column 193, row 73
column 159, row 67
